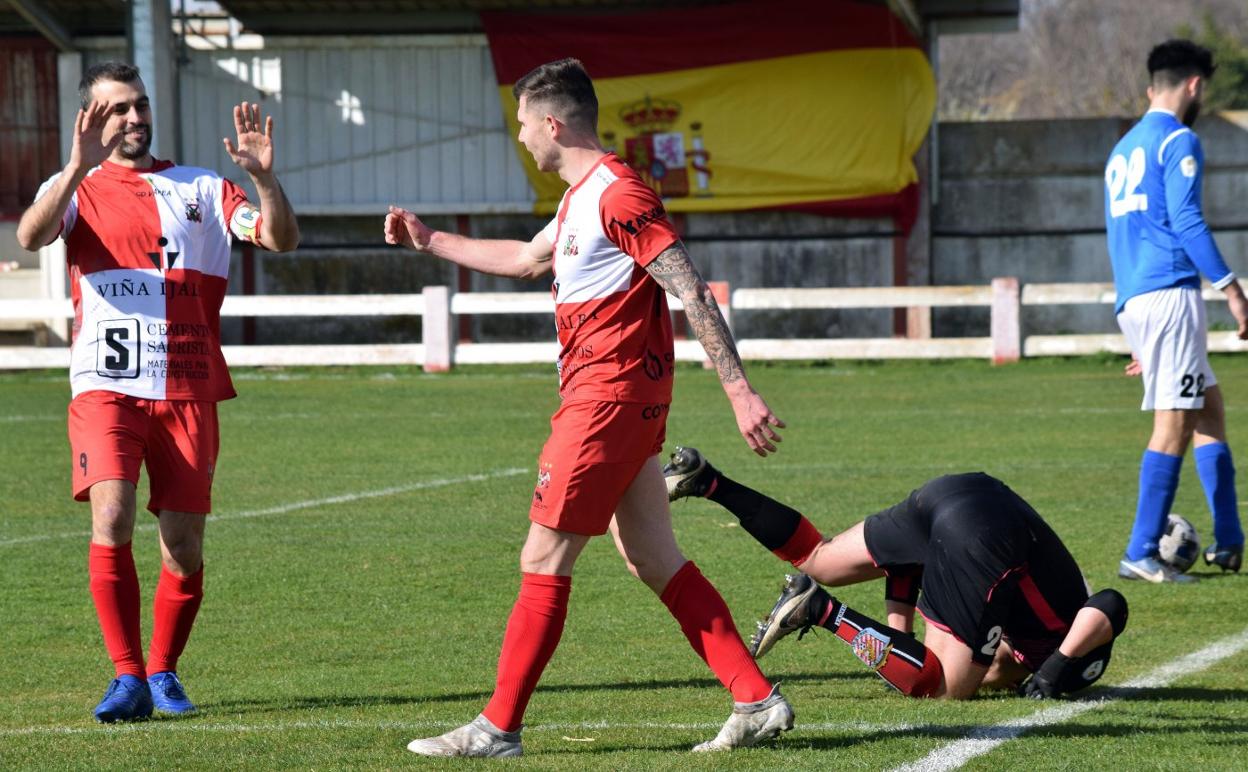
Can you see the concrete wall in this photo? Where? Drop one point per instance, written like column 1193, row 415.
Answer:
column 1025, row 199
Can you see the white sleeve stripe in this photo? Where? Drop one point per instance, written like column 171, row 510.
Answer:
column 1161, row 150
column 1225, row 281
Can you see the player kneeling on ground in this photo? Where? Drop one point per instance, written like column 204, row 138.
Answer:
column 1003, row 599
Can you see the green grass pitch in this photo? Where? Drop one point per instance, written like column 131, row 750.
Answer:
column 363, row 554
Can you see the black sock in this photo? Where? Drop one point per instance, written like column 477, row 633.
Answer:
column 764, row 518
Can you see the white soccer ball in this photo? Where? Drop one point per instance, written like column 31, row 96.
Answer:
column 1179, row 545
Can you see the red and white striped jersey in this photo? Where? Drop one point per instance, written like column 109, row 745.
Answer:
column 149, row 258
column 614, row 327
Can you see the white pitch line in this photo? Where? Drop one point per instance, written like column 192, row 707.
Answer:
column 986, row 738
column 345, row 498
column 412, row 726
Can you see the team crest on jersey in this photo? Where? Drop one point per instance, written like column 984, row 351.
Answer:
column 192, row 212
column 871, row 647
column 569, row 246
column 674, row 165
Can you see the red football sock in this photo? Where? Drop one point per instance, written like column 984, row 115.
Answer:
column 899, row 658
column 533, row 632
column 173, row 612
column 115, row 590
column 705, row 621
column 799, row 546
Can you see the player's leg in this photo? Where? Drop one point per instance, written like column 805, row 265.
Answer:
column 532, row 634
column 781, row 529
column 183, row 445
column 114, row 580
column 572, row 502
column 105, row 434
column 961, row 676
column 897, row 657
column 643, row 531
column 1216, row 469
column 1158, row 326
column 536, row 622
column 179, row 594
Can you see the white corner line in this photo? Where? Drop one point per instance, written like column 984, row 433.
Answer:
column 983, row 739
column 345, row 498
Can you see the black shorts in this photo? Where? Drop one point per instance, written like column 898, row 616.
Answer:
column 976, row 541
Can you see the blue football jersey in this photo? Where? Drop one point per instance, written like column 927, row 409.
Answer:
column 1156, row 229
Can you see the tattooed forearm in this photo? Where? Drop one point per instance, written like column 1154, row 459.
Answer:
column 675, row 273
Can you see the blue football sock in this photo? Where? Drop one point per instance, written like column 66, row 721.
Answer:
column 1217, row 475
column 1159, row 479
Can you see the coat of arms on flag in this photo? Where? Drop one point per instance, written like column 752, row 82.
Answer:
column 658, row 152
column 871, row 647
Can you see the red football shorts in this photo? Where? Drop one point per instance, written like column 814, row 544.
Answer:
column 111, row 434
column 593, row 454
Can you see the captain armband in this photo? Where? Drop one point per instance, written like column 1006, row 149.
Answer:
column 245, row 224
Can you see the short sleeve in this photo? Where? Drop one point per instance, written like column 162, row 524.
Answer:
column 634, row 220
column 71, row 211
column 241, row 216
column 551, row 230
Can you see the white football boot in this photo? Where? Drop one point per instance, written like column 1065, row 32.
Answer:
column 751, row 723
column 479, row 739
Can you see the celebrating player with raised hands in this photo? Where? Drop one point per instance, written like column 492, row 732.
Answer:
column 148, row 246
column 1002, row 597
column 613, row 254
column 1159, row 246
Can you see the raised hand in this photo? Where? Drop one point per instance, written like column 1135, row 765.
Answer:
column 405, row 229
column 755, row 421
column 254, row 149
column 90, row 146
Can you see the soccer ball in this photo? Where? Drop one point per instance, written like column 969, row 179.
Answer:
column 1179, row 545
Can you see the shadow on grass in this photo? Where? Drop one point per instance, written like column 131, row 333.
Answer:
column 277, row 704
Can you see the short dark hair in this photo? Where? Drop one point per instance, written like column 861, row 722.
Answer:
column 1174, row 61
column 565, row 87
column 120, row 72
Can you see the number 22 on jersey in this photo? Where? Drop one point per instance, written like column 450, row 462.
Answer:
column 1122, row 177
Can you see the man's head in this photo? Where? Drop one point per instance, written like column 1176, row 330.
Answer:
column 118, row 85
column 557, row 106
column 1178, row 70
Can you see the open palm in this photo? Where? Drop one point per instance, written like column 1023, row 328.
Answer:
column 90, row 147
column 253, row 150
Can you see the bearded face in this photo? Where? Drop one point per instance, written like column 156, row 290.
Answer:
column 1191, row 113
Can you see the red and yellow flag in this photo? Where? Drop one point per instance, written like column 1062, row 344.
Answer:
column 811, row 104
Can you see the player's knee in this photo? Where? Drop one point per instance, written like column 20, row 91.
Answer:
column 1113, row 605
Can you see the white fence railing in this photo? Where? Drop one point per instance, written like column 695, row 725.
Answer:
column 440, row 350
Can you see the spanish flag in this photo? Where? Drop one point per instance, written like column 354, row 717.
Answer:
column 817, row 105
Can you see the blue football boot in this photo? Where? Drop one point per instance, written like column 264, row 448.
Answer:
column 128, row 699
column 168, row 693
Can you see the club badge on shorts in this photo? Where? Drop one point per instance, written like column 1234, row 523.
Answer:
column 871, row 647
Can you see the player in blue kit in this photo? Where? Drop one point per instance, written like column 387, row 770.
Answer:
column 1160, row 246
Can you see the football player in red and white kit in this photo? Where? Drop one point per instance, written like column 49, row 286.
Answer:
column 148, row 246
column 613, row 254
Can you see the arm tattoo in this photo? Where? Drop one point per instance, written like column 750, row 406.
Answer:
column 675, row 273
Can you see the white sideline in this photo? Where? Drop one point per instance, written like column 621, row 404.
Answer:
column 983, row 739
column 414, row 726
column 345, row 498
